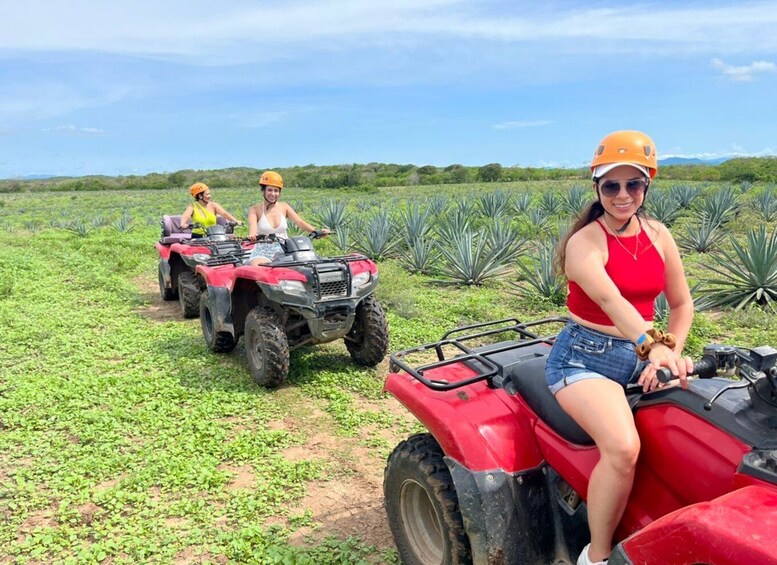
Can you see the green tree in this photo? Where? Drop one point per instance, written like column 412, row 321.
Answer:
column 490, row 172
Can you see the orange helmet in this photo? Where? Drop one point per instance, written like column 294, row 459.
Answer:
column 271, row 178
column 198, row 188
column 626, row 147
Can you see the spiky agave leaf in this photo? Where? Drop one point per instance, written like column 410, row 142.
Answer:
column 466, row 260
column 748, row 276
column 421, row 257
column 766, row 205
column 576, row 199
column 414, row 222
column 504, row 240
column 551, row 203
column 541, row 277
column 332, row 213
column 720, row 207
column 521, row 202
column 376, row 237
column 663, row 207
column 702, row 237
column 684, row 194
column 494, row 204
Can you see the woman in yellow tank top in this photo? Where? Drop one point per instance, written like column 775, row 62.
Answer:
column 203, row 210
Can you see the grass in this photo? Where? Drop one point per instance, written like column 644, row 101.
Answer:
column 124, row 440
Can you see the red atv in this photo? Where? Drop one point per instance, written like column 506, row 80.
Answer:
column 298, row 299
column 179, row 255
column 502, row 475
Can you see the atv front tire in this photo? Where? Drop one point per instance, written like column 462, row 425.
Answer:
column 189, row 292
column 267, row 348
column 422, row 506
column 368, row 340
column 164, row 292
column 219, row 342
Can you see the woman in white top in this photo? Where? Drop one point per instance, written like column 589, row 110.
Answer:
column 269, row 217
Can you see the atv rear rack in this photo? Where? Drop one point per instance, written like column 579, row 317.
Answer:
column 475, row 359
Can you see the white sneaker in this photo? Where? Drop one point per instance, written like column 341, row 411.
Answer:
column 584, row 560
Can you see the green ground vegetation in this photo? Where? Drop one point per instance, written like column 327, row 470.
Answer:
column 122, row 436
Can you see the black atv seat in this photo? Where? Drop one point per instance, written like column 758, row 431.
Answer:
column 528, row 378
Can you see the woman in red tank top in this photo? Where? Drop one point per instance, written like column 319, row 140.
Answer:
column 616, row 262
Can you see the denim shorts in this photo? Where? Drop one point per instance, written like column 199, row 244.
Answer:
column 582, row 353
column 266, row 250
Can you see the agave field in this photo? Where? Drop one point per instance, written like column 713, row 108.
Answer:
column 123, row 439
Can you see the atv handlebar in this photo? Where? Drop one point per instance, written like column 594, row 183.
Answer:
column 318, row 234
column 706, row 367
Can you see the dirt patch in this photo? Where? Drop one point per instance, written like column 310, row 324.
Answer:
column 88, row 512
column 190, row 555
column 39, row 519
column 243, row 476
column 154, row 308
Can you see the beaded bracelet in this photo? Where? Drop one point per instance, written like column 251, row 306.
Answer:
column 651, row 336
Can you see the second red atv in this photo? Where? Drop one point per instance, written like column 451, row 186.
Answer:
column 179, row 255
column 298, row 299
column 501, row 476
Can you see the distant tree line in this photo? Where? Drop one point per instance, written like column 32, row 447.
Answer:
column 366, row 177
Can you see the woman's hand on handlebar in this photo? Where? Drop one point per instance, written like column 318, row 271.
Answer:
column 662, row 356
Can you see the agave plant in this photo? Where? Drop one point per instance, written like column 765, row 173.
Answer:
column 494, row 204
column 415, row 222
column 452, row 224
column 684, row 194
column 540, row 279
column 664, row 208
column 551, row 203
column 437, row 204
column 420, row 257
column 766, row 205
column 721, row 207
column 504, row 240
column 661, row 308
column 98, row 221
column 78, row 227
column 466, row 260
column 376, row 237
column 123, row 224
column 521, row 202
column 332, row 214
column 341, row 239
column 364, row 205
column 702, row 237
column 538, row 219
column 748, row 276
column 745, row 186
column 576, row 199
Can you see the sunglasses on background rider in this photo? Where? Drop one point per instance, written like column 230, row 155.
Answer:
column 635, row 187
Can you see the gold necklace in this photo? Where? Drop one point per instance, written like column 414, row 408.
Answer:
column 636, row 239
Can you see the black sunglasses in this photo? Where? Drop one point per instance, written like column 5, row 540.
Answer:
column 635, row 187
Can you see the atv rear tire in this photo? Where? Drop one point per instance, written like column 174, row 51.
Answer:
column 368, row 340
column 422, row 506
column 189, row 292
column 267, row 347
column 219, row 342
column 164, row 292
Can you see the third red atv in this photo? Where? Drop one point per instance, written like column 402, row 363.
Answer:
column 298, row 299
column 501, row 475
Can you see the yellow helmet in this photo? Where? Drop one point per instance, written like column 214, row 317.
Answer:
column 198, row 188
column 271, row 178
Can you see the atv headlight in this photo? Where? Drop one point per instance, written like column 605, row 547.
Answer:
column 201, row 257
column 360, row 280
column 293, row 287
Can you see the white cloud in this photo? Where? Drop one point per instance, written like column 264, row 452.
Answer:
column 74, row 130
column 743, row 73
column 242, row 31
column 522, row 124
column 735, row 151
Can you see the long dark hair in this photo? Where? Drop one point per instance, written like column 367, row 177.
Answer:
column 590, row 213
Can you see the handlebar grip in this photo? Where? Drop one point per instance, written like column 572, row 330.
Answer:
column 705, row 367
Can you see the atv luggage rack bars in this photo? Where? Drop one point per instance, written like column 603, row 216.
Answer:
column 474, row 359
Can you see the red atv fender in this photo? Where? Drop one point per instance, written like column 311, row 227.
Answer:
column 475, row 425
column 736, row 528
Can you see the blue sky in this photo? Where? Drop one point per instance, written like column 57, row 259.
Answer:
column 126, row 87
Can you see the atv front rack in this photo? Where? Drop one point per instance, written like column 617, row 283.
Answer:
column 476, row 359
